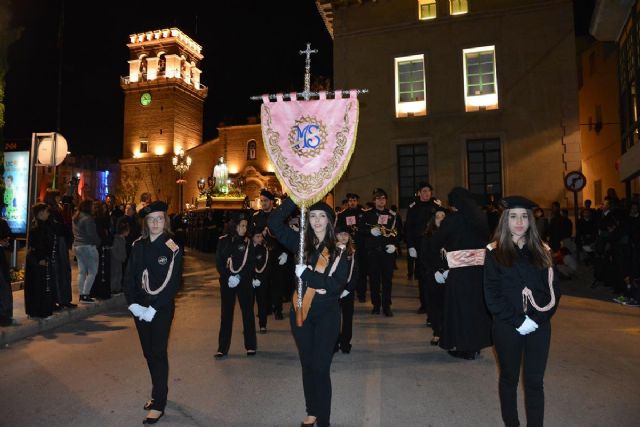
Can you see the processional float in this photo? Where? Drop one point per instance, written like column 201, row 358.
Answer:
column 309, row 138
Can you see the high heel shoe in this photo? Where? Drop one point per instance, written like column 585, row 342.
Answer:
column 435, row 341
column 148, row 420
column 251, row 352
column 148, row 405
column 219, row 355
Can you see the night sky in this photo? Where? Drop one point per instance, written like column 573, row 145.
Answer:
column 95, row 56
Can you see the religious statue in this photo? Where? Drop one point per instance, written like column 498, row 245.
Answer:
column 221, row 175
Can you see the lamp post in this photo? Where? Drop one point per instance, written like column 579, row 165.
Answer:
column 181, row 164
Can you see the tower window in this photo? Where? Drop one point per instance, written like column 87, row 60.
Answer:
column 144, row 146
column 426, row 9
column 251, row 150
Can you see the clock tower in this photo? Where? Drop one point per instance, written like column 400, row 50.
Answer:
column 163, row 110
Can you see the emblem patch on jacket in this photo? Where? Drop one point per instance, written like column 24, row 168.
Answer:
column 162, row 260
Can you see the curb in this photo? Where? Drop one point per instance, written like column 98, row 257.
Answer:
column 29, row 327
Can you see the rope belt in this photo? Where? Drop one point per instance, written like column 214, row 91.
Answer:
column 244, row 261
column 145, row 278
column 266, row 260
column 465, row 258
column 528, row 295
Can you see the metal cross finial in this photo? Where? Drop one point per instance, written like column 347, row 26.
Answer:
column 307, row 71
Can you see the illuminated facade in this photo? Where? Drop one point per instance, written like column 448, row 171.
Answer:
column 481, row 94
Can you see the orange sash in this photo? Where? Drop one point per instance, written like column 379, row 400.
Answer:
column 302, row 312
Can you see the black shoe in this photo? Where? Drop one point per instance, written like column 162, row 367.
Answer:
column 467, row 355
column 263, row 330
column 376, row 310
column 69, row 305
column 428, row 322
column 421, row 310
column 278, row 315
column 251, row 352
column 219, row 355
column 387, row 312
column 116, row 293
column 148, row 405
column 148, row 420
column 345, row 348
column 57, row 307
column 86, row 299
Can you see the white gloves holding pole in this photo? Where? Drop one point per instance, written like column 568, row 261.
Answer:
column 527, row 326
column 413, row 253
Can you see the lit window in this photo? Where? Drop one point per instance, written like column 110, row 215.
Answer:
column 410, row 86
column 458, row 7
column 427, row 9
column 480, row 82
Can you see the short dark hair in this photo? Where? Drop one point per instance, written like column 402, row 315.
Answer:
column 123, row 226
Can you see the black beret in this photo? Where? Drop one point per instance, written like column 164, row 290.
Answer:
column 513, row 202
column 322, row 206
column 353, row 196
column 424, row 184
column 157, row 206
column 268, row 194
column 236, row 217
column 341, row 227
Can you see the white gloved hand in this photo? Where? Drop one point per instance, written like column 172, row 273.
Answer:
column 445, row 274
column 375, row 231
column 344, row 293
column 321, row 291
column 234, row 280
column 390, row 249
column 255, row 283
column 440, row 277
column 136, row 309
column 413, row 253
column 148, row 314
column 282, row 259
column 527, row 326
column 300, row 268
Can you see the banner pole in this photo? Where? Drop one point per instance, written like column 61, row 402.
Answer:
column 303, row 225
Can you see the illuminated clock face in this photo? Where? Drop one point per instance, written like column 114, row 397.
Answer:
column 145, row 99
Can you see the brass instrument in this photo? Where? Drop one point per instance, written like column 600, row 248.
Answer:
column 386, row 232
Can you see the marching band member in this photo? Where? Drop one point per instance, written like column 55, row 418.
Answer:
column 520, row 294
column 151, row 282
column 324, row 272
column 235, row 261
column 353, row 219
column 381, row 245
column 347, row 298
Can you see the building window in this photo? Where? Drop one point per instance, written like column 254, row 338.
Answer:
column 410, row 86
column 427, row 9
column 458, row 7
column 251, row 150
column 480, row 82
column 144, row 146
column 413, row 167
column 484, row 169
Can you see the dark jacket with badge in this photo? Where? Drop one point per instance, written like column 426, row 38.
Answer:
column 503, row 289
column 418, row 216
column 236, row 248
column 383, row 218
column 262, row 265
column 352, row 219
column 157, row 257
column 333, row 283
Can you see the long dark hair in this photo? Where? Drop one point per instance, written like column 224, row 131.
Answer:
column 506, row 248
column 85, row 206
column 431, row 225
column 311, row 241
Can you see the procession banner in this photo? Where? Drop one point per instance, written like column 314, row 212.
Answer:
column 310, row 143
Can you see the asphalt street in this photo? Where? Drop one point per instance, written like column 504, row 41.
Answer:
column 92, row 373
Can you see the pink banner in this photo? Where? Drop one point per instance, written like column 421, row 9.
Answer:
column 310, row 143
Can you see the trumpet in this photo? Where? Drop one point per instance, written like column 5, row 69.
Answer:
column 386, row 232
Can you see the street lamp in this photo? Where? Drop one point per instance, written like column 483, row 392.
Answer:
column 181, row 164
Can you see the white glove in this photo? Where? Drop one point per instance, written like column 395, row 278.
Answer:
column 255, row 283
column 437, row 202
column 300, row 268
column 344, row 293
column 440, row 277
column 445, row 274
column 234, row 280
column 282, row 259
column 390, row 249
column 413, row 253
column 136, row 310
column 148, row 314
column 527, row 326
column 375, row 231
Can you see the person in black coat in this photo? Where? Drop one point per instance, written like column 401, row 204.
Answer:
column 323, row 272
column 235, row 261
column 466, row 327
column 520, row 294
column 6, row 294
column 347, row 298
column 353, row 219
column 435, row 271
column 151, row 282
column 38, row 282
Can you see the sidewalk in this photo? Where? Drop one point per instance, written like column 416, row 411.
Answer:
column 26, row 327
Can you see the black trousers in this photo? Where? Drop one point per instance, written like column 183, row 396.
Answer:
column 244, row 293
column 6, row 299
column 346, row 332
column 380, row 274
column 361, row 259
column 533, row 350
column 280, row 274
column 435, row 302
column 154, row 339
column 315, row 340
column 263, row 300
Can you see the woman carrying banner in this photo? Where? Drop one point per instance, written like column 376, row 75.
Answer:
column 151, row 282
column 324, row 271
column 518, row 286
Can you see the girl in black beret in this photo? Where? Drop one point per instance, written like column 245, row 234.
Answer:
column 519, row 292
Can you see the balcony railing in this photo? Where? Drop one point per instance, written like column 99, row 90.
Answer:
column 142, row 77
